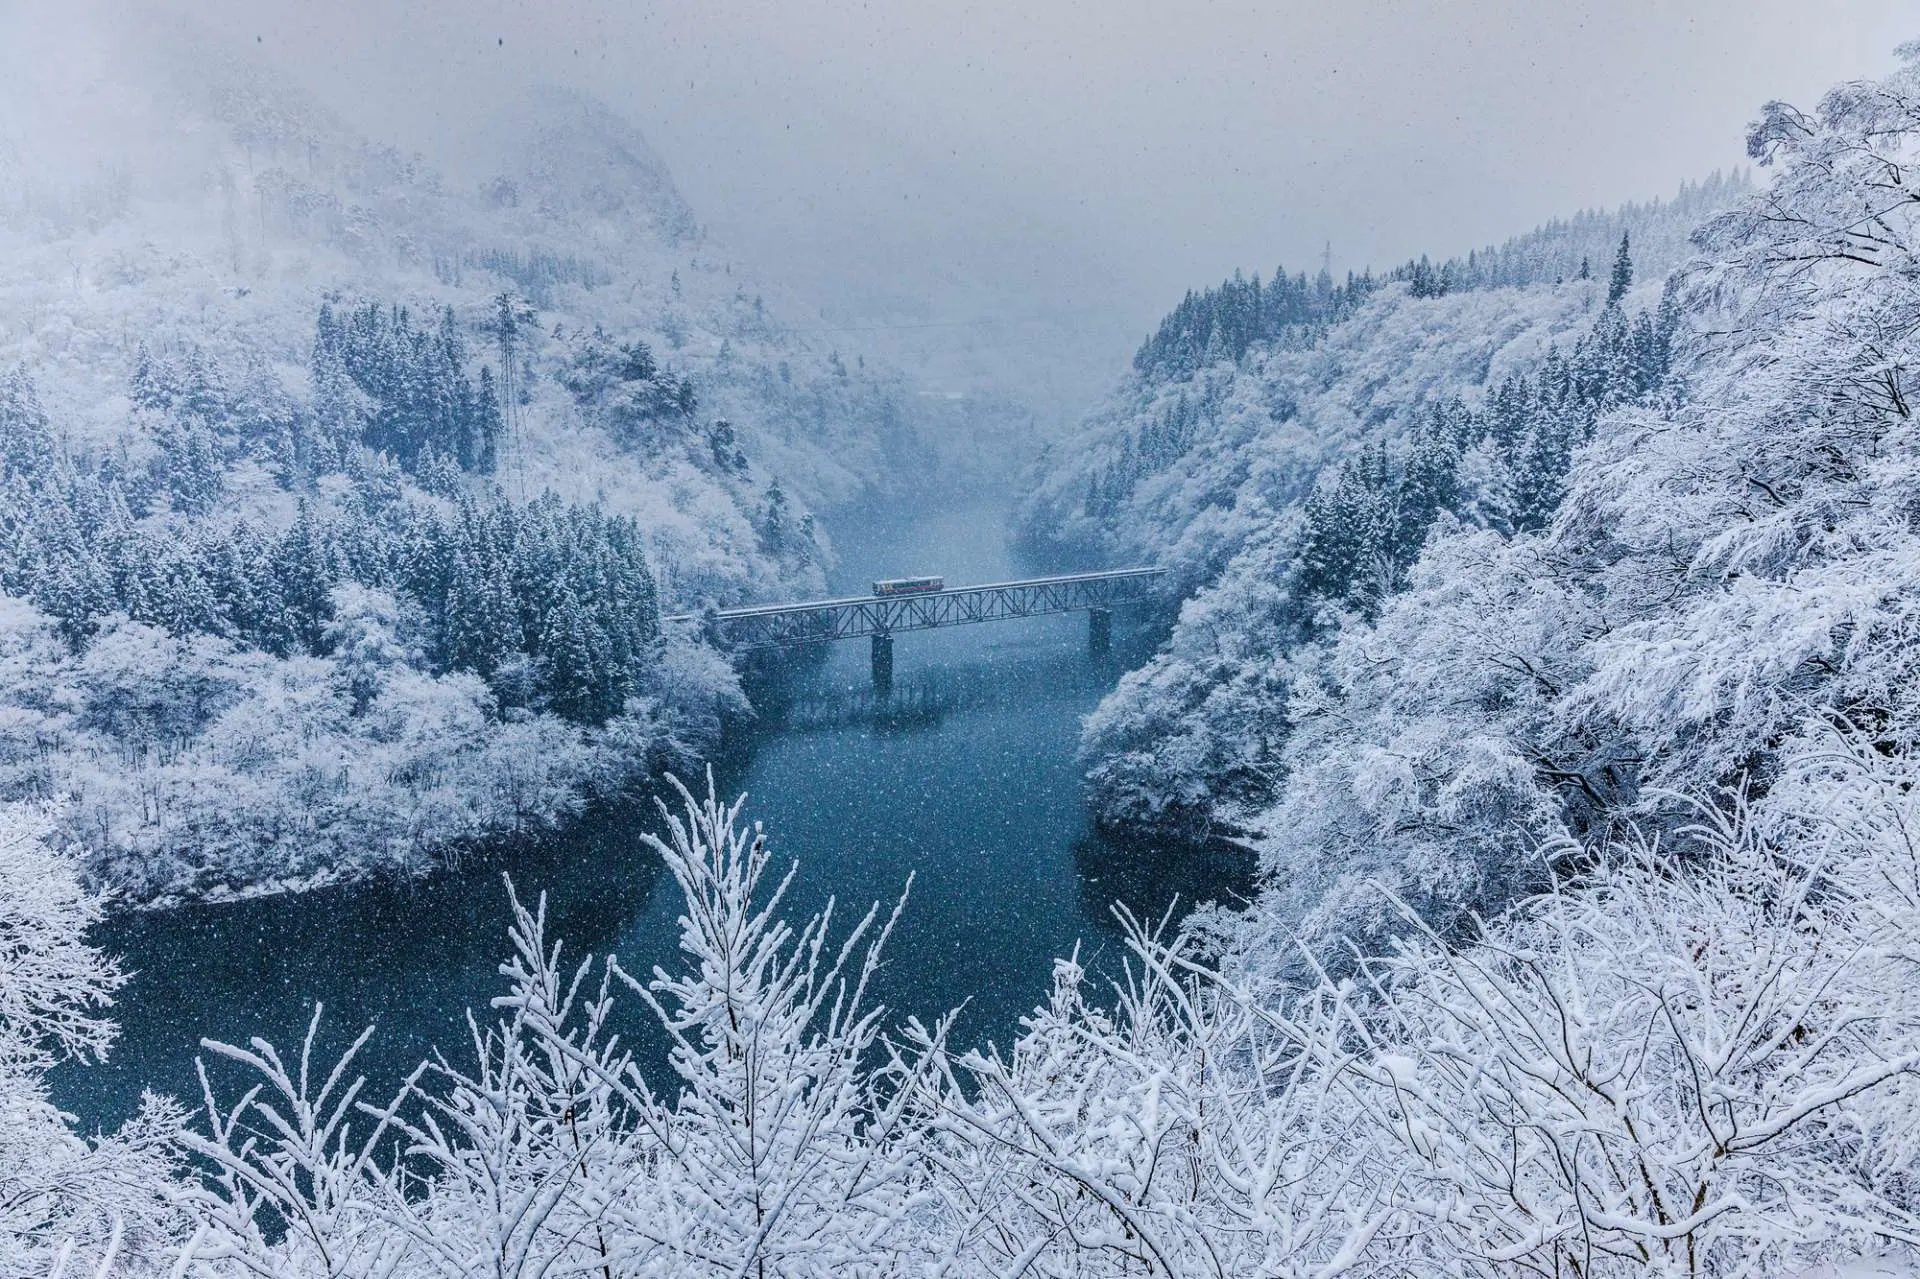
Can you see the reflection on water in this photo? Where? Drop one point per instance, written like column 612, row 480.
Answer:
column 920, row 703
column 963, row 779
column 1149, row 879
column 802, row 699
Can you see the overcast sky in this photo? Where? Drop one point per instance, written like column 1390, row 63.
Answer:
column 1098, row 158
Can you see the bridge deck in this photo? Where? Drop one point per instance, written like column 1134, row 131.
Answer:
column 816, row 621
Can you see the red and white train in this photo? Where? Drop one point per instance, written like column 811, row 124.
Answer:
column 909, row 585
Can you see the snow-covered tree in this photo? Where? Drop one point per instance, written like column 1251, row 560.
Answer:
column 1755, row 542
column 97, row 1205
column 776, row 1149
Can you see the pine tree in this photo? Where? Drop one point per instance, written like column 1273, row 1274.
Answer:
column 1665, row 325
column 1539, row 468
column 238, row 572
column 184, row 602
column 146, row 388
column 773, row 519
column 73, row 592
column 1622, row 278
column 129, row 558
column 1216, row 351
column 203, row 397
column 567, row 653
column 26, row 443
column 1428, row 485
column 1350, row 523
column 304, row 569
column 1509, row 408
column 197, row 473
column 1425, row 280
column 334, row 425
column 465, row 643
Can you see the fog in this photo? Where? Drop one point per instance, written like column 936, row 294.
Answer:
column 1047, row 179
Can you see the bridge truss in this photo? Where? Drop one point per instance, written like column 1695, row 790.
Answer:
column 786, row 625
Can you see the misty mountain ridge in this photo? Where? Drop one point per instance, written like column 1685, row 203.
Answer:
column 291, row 417
column 219, row 207
column 575, row 163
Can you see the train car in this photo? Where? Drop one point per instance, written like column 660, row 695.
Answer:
column 909, row 585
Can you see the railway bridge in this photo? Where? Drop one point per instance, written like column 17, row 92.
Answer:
column 923, row 604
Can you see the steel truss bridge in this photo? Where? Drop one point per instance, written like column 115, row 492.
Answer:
column 770, row 626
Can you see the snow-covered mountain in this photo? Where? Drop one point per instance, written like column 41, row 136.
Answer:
column 1232, row 409
column 293, row 418
column 180, row 198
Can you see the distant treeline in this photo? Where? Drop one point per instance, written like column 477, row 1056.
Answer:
column 1221, row 323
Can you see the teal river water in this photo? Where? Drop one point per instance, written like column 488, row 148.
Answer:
column 965, row 779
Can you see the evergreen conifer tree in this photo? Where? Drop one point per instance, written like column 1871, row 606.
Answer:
column 304, row 569
column 567, row 650
column 26, row 443
column 487, row 425
column 465, row 643
column 773, row 518
column 1622, row 277
column 184, row 603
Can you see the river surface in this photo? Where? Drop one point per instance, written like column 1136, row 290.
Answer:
column 964, row 779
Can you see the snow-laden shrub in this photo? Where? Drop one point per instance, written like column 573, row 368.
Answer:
column 1696, row 1059
column 91, row 1206
column 775, row 1146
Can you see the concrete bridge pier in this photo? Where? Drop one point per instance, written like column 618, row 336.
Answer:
column 882, row 662
column 1099, row 632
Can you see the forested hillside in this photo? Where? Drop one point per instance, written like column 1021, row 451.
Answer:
column 340, row 495
column 1244, row 391
column 1289, row 469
